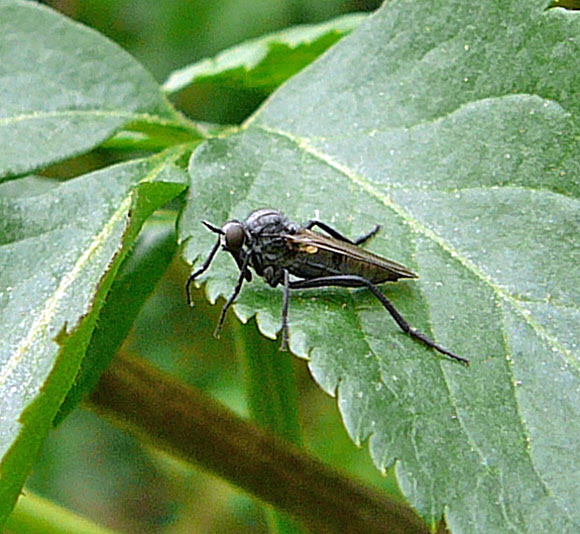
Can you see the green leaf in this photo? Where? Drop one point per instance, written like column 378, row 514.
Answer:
column 455, row 127
column 65, row 88
column 41, row 516
column 135, row 281
column 61, row 248
column 267, row 62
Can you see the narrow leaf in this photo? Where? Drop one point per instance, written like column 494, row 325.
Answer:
column 60, row 249
column 267, row 62
column 135, row 281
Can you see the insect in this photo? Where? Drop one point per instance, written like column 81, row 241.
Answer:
column 276, row 248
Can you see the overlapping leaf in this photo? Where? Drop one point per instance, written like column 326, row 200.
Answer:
column 79, row 232
column 455, row 126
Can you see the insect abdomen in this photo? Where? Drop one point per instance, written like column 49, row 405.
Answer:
column 314, row 263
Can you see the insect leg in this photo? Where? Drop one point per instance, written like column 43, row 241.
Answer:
column 233, row 296
column 201, row 270
column 285, row 304
column 337, row 235
column 328, row 229
column 359, row 281
column 364, row 238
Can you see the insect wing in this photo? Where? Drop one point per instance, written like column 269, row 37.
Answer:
column 310, row 241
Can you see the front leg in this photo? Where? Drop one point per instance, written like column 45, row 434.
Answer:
column 348, row 280
column 242, row 276
column 201, row 270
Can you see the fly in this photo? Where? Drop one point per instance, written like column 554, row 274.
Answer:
column 275, row 248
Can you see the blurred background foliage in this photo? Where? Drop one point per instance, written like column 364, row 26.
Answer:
column 95, row 469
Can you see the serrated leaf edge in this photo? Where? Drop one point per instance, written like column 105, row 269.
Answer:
column 357, row 179
column 44, row 319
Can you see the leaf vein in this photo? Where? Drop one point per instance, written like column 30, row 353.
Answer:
column 94, row 113
column 420, row 228
column 42, row 322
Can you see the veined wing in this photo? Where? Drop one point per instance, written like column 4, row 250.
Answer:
column 310, row 242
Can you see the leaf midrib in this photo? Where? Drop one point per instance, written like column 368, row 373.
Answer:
column 51, row 306
column 117, row 114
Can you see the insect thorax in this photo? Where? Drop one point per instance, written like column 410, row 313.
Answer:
column 269, row 249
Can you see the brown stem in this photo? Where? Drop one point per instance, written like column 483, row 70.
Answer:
column 181, row 420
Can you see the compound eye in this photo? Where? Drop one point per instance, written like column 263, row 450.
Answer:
column 234, row 234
